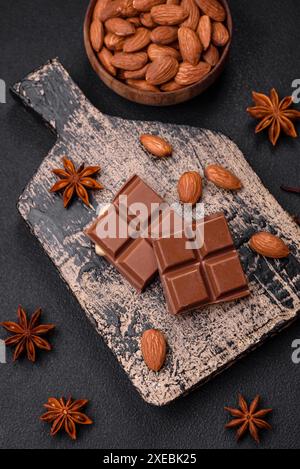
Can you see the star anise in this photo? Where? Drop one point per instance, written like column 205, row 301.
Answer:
column 65, row 415
column 275, row 114
column 75, row 181
column 248, row 418
column 27, row 334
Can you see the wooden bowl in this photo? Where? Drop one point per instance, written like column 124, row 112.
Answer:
column 146, row 97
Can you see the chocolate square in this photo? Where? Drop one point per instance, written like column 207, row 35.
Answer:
column 132, row 256
column 111, row 245
column 217, row 270
column 175, row 284
column 138, row 263
column 205, row 275
column 173, row 254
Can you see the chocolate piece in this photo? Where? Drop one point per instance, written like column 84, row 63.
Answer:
column 193, row 278
column 134, row 258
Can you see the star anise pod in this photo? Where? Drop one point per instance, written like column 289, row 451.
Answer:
column 76, row 181
column 248, row 418
column 27, row 334
column 275, row 114
column 65, row 414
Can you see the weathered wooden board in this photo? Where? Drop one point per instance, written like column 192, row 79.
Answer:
column 203, row 343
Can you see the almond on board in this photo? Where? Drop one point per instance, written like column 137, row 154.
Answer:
column 156, row 145
column 269, row 245
column 222, row 177
column 189, row 187
column 154, row 349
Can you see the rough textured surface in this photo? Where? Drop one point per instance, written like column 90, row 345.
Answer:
column 201, row 344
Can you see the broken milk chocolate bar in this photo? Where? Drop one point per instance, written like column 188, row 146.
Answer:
column 193, row 278
column 133, row 257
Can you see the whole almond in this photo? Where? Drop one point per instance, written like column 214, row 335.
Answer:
column 100, row 5
column 132, row 61
column 127, row 8
column 170, row 86
column 142, row 85
column 147, row 21
column 155, row 145
column 154, row 349
column 222, row 177
column 269, row 245
column 211, row 56
column 164, row 35
column 161, row 70
column 146, row 5
column 220, row 34
column 156, row 51
column 213, row 9
column 111, row 9
column 205, row 31
column 105, row 57
column 137, row 41
column 189, row 45
column 188, row 74
column 168, row 15
column 190, row 187
column 97, row 35
column 114, row 42
column 135, row 20
column 119, row 26
column 135, row 74
column 194, row 14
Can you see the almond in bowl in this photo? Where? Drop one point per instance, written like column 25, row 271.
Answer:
column 157, row 52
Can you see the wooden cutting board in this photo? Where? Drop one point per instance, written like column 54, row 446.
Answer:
column 203, row 343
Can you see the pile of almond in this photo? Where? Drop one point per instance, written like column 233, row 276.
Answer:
column 159, row 45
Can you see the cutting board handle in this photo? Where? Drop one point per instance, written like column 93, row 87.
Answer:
column 52, row 94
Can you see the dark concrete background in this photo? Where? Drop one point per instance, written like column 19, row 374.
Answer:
column 265, row 53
